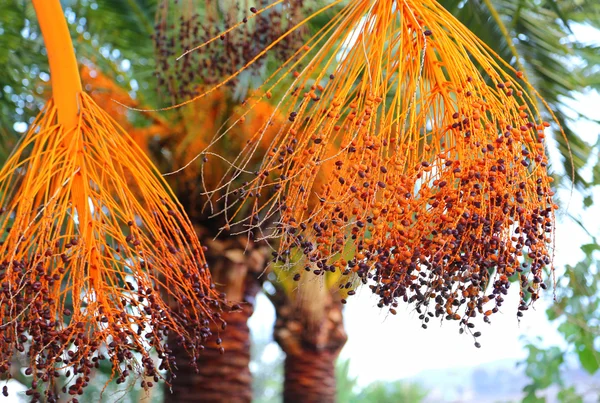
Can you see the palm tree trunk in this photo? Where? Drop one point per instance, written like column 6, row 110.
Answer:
column 217, row 376
column 220, row 377
column 310, row 377
column 310, row 330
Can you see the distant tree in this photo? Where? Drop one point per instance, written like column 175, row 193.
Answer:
column 376, row 392
column 577, row 311
column 397, row 392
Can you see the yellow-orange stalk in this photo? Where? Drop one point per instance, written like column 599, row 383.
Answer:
column 92, row 239
column 412, row 156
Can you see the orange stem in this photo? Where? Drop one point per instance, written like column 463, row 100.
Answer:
column 66, row 87
column 64, row 73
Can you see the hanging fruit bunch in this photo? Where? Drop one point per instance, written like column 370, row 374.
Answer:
column 182, row 24
column 411, row 158
column 98, row 261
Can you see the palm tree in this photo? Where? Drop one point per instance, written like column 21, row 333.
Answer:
column 538, row 24
column 236, row 261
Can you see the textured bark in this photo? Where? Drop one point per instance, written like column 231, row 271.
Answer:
column 224, row 377
column 220, row 377
column 310, row 377
column 311, row 332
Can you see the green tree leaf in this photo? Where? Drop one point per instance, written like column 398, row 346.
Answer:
column 588, row 359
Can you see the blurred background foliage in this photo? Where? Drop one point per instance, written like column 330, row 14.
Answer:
column 539, row 36
column 577, row 314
